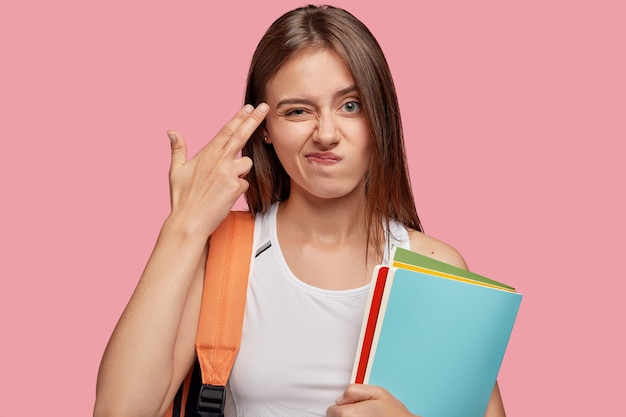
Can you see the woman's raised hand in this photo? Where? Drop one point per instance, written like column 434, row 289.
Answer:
column 204, row 189
column 154, row 338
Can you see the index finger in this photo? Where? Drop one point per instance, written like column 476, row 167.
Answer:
column 242, row 132
column 224, row 135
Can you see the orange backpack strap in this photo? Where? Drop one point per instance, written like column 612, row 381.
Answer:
column 222, row 310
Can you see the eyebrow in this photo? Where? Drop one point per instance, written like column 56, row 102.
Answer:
column 340, row 93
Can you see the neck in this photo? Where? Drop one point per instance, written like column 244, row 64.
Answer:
column 325, row 219
column 333, row 231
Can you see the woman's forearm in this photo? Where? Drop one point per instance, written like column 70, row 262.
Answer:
column 151, row 347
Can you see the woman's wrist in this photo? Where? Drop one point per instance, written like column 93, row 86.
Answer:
column 179, row 227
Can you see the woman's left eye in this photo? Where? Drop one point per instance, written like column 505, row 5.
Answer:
column 351, row 107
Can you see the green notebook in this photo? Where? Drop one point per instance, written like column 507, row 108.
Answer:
column 407, row 258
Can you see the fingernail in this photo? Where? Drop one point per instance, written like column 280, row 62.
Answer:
column 263, row 108
column 247, row 109
column 171, row 136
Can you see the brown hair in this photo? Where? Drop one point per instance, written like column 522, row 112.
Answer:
column 388, row 188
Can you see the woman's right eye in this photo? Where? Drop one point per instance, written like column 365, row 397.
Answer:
column 298, row 114
column 295, row 113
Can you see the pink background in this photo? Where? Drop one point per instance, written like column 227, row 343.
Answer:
column 515, row 119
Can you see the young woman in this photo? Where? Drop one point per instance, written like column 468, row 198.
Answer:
column 318, row 151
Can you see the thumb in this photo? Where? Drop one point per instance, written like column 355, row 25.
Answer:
column 357, row 392
column 179, row 150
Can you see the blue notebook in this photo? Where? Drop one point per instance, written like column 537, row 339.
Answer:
column 437, row 343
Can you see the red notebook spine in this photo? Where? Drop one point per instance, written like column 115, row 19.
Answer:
column 372, row 319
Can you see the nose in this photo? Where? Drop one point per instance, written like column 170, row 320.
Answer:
column 326, row 134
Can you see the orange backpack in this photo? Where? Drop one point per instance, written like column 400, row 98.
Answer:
column 202, row 393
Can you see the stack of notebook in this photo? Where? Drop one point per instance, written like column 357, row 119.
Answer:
column 434, row 335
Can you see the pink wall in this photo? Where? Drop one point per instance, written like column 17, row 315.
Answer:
column 515, row 115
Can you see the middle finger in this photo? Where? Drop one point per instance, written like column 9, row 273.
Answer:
column 241, row 134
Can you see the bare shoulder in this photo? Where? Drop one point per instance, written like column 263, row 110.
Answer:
column 436, row 249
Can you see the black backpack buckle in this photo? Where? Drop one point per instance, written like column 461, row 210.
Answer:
column 211, row 401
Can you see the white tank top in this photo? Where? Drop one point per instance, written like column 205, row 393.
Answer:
column 299, row 341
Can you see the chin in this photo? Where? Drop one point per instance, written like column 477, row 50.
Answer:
column 330, row 190
column 335, row 194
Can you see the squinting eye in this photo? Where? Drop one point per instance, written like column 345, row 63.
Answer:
column 296, row 112
column 352, row 106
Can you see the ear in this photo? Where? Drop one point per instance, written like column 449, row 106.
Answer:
column 266, row 136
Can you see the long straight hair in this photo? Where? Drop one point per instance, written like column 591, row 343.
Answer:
column 388, row 189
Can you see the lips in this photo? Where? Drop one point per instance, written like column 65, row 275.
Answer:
column 323, row 158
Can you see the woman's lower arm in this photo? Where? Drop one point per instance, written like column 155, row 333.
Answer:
column 153, row 339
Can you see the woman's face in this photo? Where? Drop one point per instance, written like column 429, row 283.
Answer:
column 317, row 126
